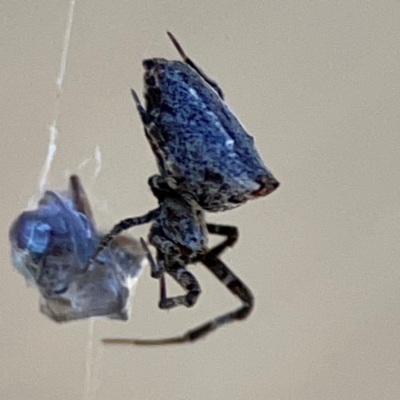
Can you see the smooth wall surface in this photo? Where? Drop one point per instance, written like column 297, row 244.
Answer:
column 317, row 84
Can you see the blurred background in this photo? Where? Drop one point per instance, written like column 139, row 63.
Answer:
column 317, row 84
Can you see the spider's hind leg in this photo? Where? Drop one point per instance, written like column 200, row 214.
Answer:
column 189, row 62
column 235, row 285
column 232, row 282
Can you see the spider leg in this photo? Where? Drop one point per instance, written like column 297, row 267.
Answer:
column 144, row 115
column 231, row 233
column 178, row 272
column 227, row 277
column 235, row 285
column 151, row 128
column 185, row 279
column 159, row 186
column 189, row 62
column 122, row 226
column 152, row 132
column 156, row 269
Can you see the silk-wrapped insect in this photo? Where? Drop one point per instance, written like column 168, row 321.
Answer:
column 202, row 149
column 52, row 246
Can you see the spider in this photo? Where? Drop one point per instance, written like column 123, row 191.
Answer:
column 51, row 246
column 179, row 234
column 207, row 162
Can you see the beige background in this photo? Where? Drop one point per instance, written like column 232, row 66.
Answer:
column 317, row 84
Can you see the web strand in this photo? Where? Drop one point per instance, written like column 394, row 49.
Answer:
column 67, row 36
column 52, row 147
column 92, row 365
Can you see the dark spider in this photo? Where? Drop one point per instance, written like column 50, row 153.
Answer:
column 207, row 161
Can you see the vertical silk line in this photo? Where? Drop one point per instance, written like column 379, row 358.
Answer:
column 52, row 147
column 67, row 36
column 92, row 361
column 97, row 156
column 92, row 366
column 88, row 362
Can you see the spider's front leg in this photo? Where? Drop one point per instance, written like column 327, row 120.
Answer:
column 123, row 226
